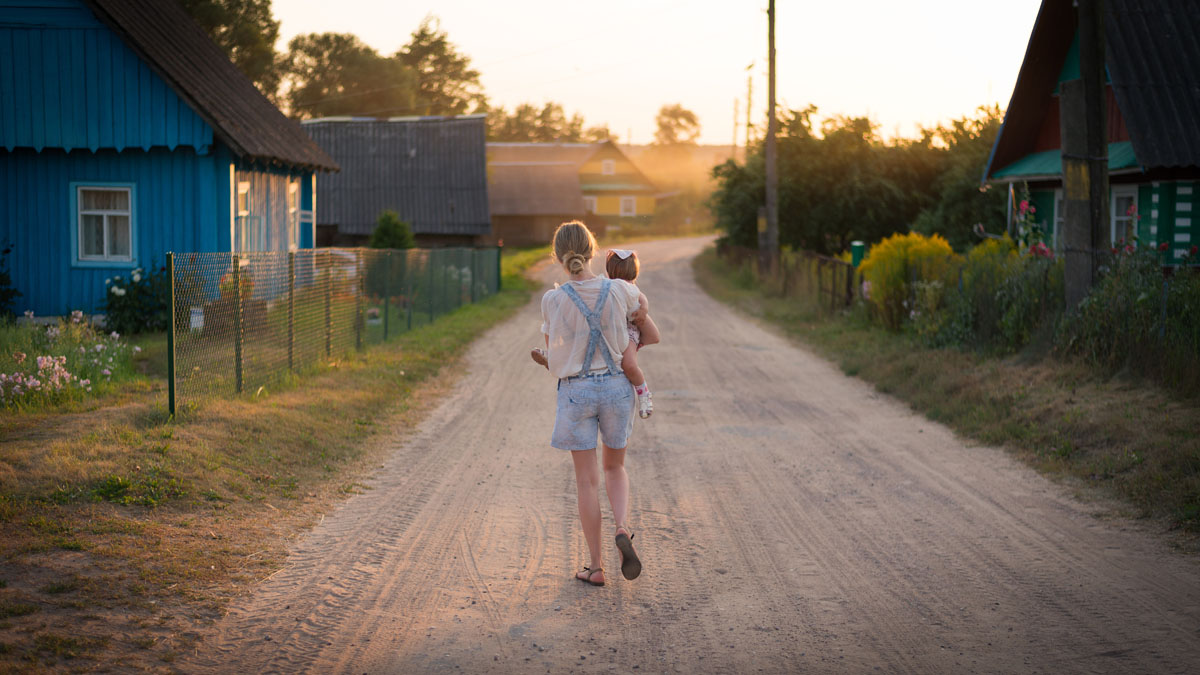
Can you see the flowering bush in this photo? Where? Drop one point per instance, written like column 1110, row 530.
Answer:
column 1029, row 231
column 895, row 264
column 50, row 363
column 137, row 304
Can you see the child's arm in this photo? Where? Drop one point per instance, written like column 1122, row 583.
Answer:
column 641, row 319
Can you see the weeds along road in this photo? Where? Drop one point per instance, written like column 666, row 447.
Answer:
column 790, row 519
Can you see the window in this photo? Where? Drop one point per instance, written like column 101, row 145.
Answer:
column 628, row 206
column 1123, row 213
column 589, row 204
column 243, row 199
column 293, row 215
column 608, row 167
column 105, row 223
column 241, row 229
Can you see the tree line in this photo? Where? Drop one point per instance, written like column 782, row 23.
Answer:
column 842, row 182
column 328, row 74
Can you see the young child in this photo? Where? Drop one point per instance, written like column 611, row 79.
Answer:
column 622, row 264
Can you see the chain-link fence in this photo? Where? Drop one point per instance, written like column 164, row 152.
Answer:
column 243, row 320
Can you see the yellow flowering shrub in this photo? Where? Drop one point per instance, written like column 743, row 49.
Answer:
column 893, row 266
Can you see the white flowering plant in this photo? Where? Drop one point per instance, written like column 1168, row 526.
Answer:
column 137, row 302
column 46, row 364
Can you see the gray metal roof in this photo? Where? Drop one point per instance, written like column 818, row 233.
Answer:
column 430, row 170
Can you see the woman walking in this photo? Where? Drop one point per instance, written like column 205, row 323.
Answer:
column 585, row 322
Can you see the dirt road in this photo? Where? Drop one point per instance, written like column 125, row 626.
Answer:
column 790, row 519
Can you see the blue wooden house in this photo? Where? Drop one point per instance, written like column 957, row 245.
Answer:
column 126, row 133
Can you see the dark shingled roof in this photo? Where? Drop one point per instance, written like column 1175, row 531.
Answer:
column 430, row 170
column 164, row 35
column 1153, row 59
column 534, row 190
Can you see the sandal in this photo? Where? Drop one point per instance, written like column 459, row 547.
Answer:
column 539, row 357
column 590, row 573
column 631, row 566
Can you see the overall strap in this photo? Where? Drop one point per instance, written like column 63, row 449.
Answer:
column 595, row 335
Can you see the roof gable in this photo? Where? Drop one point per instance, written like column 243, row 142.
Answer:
column 1153, row 64
column 179, row 51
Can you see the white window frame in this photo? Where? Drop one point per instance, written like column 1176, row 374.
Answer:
column 1114, row 218
column 608, row 167
column 293, row 214
column 241, row 210
column 589, row 204
column 632, row 202
column 107, row 259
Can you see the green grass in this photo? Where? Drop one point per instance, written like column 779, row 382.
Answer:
column 1122, row 437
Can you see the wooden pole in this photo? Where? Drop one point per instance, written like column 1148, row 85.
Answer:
column 1085, row 158
column 772, row 175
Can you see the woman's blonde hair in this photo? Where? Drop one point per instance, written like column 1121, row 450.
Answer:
column 574, row 246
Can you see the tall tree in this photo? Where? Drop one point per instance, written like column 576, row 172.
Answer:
column 247, row 32
column 548, row 124
column 337, row 74
column 446, row 83
column 676, row 125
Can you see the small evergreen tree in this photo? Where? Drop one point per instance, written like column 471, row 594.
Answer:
column 391, row 232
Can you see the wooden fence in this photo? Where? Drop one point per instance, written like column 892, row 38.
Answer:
column 830, row 283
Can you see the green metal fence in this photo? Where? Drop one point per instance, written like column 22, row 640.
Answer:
column 244, row 320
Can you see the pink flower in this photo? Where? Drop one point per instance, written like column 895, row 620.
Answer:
column 19, row 357
column 1024, row 205
column 106, row 372
column 1163, row 247
column 1033, row 209
column 1192, row 251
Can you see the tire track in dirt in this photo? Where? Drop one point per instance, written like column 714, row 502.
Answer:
column 790, row 519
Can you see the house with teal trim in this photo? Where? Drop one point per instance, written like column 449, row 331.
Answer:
column 1152, row 58
column 126, row 133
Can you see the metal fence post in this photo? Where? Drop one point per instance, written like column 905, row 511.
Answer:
column 358, row 300
column 328, row 305
column 238, row 328
column 171, row 336
column 499, row 276
column 291, row 310
column 429, row 264
column 387, row 291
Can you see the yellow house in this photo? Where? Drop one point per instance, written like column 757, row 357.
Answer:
column 534, row 186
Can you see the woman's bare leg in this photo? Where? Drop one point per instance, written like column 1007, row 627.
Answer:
column 616, row 483
column 629, row 364
column 587, row 486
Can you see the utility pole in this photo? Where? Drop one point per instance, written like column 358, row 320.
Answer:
column 749, row 99
column 733, row 151
column 1085, row 157
column 772, row 176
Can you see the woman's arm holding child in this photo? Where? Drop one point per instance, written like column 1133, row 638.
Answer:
column 641, row 319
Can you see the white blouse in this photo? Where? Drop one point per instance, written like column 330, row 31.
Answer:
column 568, row 329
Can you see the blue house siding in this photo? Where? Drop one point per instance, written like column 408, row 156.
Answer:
column 69, row 82
column 80, row 107
column 178, row 199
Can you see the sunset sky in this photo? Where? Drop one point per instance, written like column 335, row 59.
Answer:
column 902, row 64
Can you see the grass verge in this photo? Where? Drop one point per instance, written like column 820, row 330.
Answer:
column 1108, row 436
column 121, row 531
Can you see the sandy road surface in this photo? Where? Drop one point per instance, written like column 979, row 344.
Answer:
column 789, row 518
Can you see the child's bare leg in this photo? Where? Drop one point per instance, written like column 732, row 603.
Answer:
column 629, row 364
